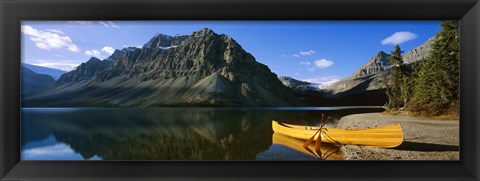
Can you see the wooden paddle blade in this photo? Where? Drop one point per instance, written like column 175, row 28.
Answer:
column 318, row 142
column 309, row 141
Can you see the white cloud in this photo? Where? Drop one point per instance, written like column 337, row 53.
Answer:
column 305, row 63
column 311, row 69
column 48, row 40
column 108, row 50
column 102, row 53
column 324, row 80
column 94, row 53
column 399, row 38
column 309, row 52
column 299, row 54
column 323, row 63
column 55, row 31
column 66, row 65
column 109, row 24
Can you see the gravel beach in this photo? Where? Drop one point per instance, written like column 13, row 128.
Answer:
column 424, row 139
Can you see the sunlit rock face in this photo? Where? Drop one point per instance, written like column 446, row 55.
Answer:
column 419, row 53
column 376, row 64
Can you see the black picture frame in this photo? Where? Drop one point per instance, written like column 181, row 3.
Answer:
column 14, row 11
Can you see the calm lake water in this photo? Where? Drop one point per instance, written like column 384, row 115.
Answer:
column 169, row 133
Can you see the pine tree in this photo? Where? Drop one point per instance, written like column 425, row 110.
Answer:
column 395, row 89
column 410, row 77
column 437, row 85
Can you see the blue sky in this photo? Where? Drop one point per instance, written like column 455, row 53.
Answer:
column 317, row 51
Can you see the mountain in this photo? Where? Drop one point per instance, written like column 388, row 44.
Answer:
column 33, row 82
column 55, row 73
column 369, row 80
column 120, row 53
column 366, row 78
column 201, row 69
column 84, row 72
column 379, row 62
column 291, row 82
column 419, row 53
column 298, row 86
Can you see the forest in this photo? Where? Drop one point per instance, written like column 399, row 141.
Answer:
column 430, row 87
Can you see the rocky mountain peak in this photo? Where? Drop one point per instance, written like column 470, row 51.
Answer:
column 159, row 40
column 381, row 53
column 377, row 63
column 85, row 71
column 118, row 53
column 92, row 60
column 205, row 32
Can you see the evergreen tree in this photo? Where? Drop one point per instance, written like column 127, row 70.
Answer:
column 437, row 85
column 410, row 77
column 395, row 88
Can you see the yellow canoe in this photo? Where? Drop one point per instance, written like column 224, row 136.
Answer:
column 384, row 136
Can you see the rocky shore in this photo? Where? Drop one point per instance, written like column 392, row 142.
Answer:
column 424, row 139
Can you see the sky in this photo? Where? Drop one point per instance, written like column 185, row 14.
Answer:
column 315, row 51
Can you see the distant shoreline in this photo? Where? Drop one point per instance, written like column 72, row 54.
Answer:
column 424, row 139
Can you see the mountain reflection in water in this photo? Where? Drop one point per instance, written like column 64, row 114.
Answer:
column 163, row 133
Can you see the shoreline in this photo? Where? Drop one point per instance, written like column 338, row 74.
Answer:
column 424, row 138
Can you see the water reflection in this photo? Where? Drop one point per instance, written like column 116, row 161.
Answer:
column 51, row 149
column 160, row 133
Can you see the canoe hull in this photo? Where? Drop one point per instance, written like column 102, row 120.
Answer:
column 385, row 136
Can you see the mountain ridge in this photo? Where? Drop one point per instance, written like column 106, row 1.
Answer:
column 55, row 73
column 374, row 73
column 33, row 82
column 169, row 71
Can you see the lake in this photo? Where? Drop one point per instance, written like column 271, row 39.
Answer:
column 171, row 133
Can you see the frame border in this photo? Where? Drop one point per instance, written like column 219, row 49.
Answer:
column 13, row 11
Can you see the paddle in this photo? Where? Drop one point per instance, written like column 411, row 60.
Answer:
column 309, row 141
column 318, row 142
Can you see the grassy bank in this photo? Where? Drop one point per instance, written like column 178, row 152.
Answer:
column 448, row 114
